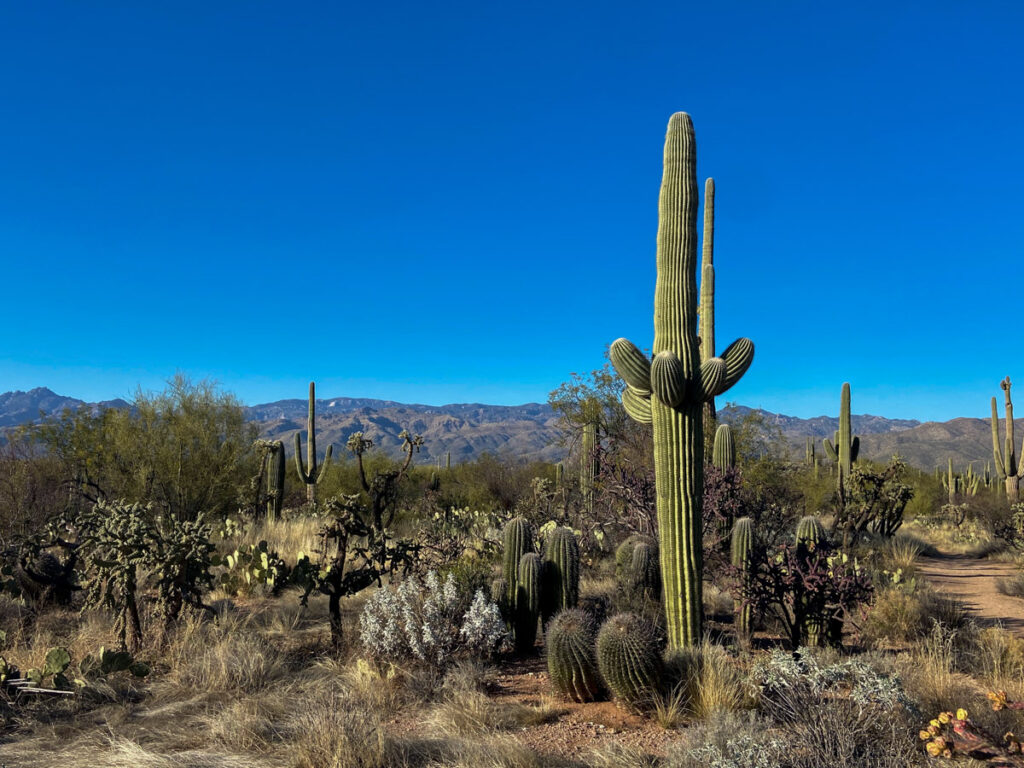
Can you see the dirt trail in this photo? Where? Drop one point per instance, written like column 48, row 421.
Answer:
column 973, row 582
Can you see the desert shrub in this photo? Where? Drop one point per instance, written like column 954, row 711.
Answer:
column 334, row 733
column 429, row 623
column 836, row 714
column 1013, row 586
column 908, row 611
column 731, row 741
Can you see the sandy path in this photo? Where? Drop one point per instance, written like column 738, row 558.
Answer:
column 973, row 582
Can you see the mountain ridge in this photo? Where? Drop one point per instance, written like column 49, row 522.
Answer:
column 530, row 431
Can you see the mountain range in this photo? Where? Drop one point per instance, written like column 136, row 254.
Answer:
column 530, row 431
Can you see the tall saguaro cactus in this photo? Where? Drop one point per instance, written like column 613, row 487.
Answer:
column 669, row 391
column 588, row 465
column 1009, row 465
column 847, row 445
column 309, row 474
column 275, row 480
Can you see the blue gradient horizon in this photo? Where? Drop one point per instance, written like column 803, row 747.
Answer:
column 458, row 204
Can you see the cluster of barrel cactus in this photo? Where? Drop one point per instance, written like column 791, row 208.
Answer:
column 670, row 391
column 625, row 657
column 532, row 587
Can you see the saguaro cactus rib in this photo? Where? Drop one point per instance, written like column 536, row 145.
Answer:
column 1009, row 467
column 675, row 388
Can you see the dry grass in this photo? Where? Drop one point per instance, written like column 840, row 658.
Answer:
column 900, row 616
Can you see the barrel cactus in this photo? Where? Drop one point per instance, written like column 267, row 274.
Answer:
column 572, row 656
column 742, row 560
column 629, row 658
column 500, row 597
column 644, row 574
column 528, row 601
column 669, row 391
column 624, row 553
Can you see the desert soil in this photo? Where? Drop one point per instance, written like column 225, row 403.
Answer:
column 973, row 583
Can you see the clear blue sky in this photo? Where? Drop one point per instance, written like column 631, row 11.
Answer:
column 447, row 202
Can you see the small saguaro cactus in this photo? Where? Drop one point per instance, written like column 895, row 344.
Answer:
column 448, row 460
column 847, row 445
column 562, row 551
column 724, row 455
column 275, row 481
column 572, row 656
column 559, row 475
column 742, row 560
column 669, row 392
column 810, row 456
column 1009, row 466
column 528, row 601
column 629, row 657
column 951, row 483
column 500, row 597
column 518, row 540
column 309, row 474
column 810, row 532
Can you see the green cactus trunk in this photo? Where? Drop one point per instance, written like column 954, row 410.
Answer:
column 309, row 474
column 669, row 392
column 844, row 452
column 742, row 557
column 809, row 533
column 1009, row 465
column 518, row 540
column 275, row 480
column 563, row 552
column 528, row 601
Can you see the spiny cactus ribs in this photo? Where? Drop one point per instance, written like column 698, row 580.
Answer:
column 669, row 392
column 572, row 656
column 629, row 658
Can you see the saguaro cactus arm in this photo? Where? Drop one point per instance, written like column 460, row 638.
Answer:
column 669, row 392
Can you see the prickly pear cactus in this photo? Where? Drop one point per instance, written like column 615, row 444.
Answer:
column 669, row 391
column 572, row 655
column 630, row 661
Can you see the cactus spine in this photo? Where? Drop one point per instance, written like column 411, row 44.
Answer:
column 563, row 553
column 572, row 659
column 311, row 477
column 629, row 657
column 275, row 479
column 528, row 601
column 844, row 452
column 669, row 392
column 742, row 559
column 1009, row 465
column 724, row 455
